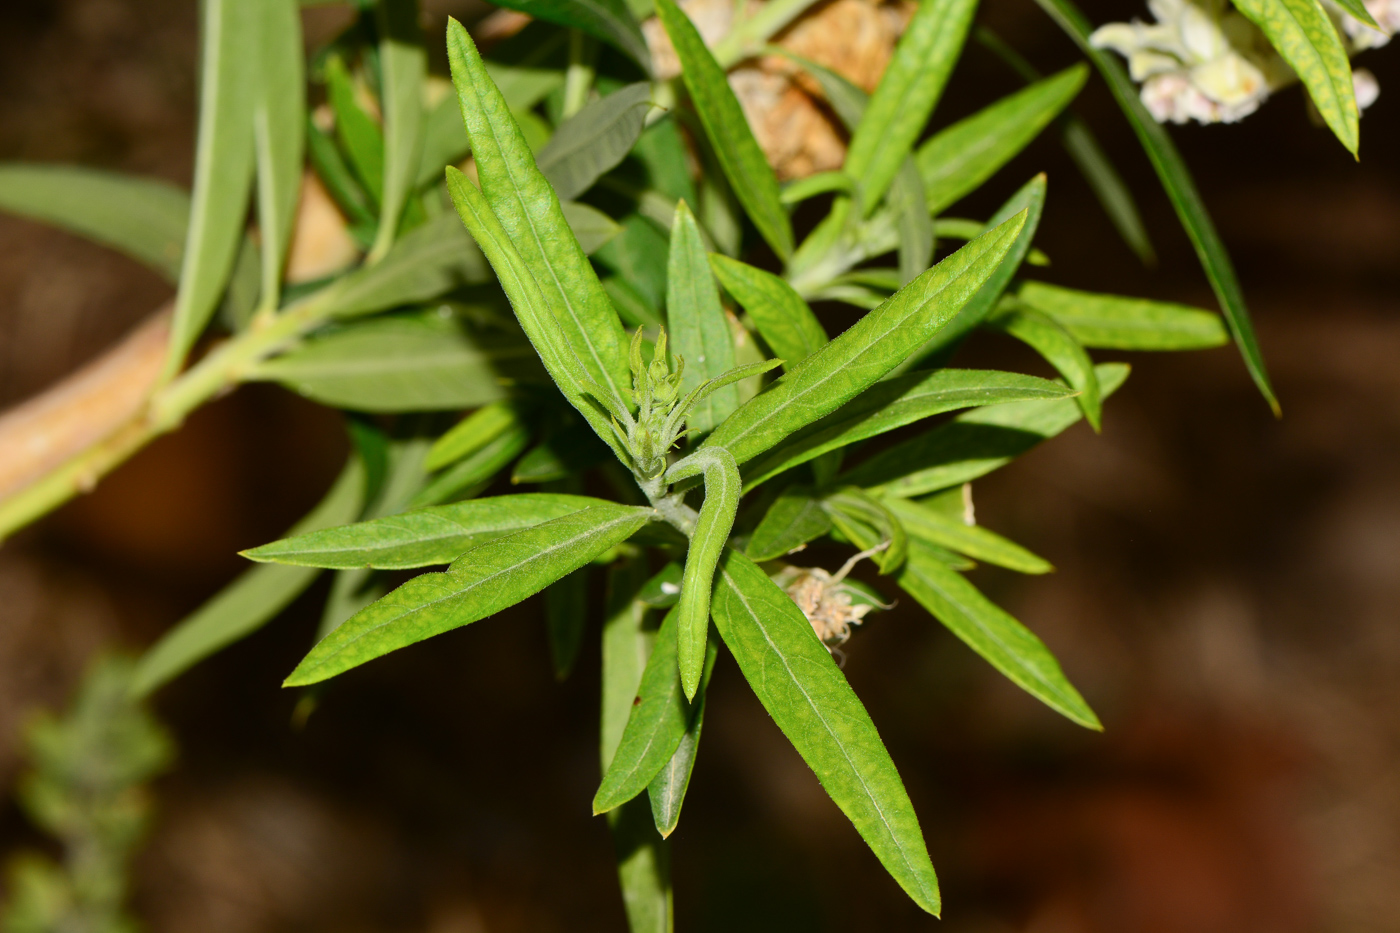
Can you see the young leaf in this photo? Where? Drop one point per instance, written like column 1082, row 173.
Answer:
column 279, row 114
column 795, row 679
column 480, row 583
column 742, row 161
column 1041, row 333
column 424, row 264
column 1006, row 644
column 782, row 317
column 658, row 720
column 868, row 523
column 247, row 603
column 698, row 329
column 867, row 351
column 909, row 90
column 359, row 134
column 423, row 537
column 403, row 64
column 958, row 159
column 722, row 490
column 223, row 167
column 473, row 473
column 894, row 403
column 607, row 20
column 594, row 140
column 934, row 527
column 973, row 444
column 144, row 218
column 1304, row 35
column 418, row 362
column 1180, row 188
column 793, row 519
column 340, row 182
column 530, row 215
column 1117, row 323
column 472, row 433
column 591, row 227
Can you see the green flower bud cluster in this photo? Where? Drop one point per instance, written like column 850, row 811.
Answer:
column 659, row 420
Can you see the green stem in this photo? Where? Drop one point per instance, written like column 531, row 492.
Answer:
column 578, row 80
column 747, row 38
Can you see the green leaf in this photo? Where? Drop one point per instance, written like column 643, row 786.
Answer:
column 340, row 181
column 530, row 215
column 359, row 134
column 566, row 616
column 659, row 718
column 480, row 583
column 141, row 217
column 639, row 254
column 798, row 683
column 795, row 192
column 973, row 444
column 959, row 158
column 739, row 155
column 632, row 306
column 909, row 90
column 250, row 601
column 867, row 351
column 279, row 115
column 444, row 141
column 707, row 540
column 1109, row 187
column 403, row 64
column 868, row 523
column 607, row 20
column 784, row 320
column 1114, row 322
column 472, row 433
column 594, row 140
column 894, row 403
column 591, row 227
column 1041, row 333
column 848, row 100
column 223, row 166
column 1304, row 35
column 1358, row 9
column 937, row 528
column 793, row 519
column 664, row 588
column 663, row 154
column 909, row 204
column 1180, row 188
column 667, row 789
column 698, row 329
column 417, row 362
column 423, row 537
column 534, row 315
column 1006, row 644
column 428, row 262
column 473, row 473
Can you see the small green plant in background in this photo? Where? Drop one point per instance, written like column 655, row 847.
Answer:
column 536, row 251
column 86, row 789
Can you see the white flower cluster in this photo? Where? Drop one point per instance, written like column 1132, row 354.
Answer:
column 1204, row 61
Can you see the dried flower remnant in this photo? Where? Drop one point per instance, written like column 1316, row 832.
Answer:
column 827, row 601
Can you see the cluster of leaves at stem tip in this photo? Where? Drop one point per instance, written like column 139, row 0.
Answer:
column 582, row 294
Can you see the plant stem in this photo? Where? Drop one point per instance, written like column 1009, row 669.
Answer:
column 746, row 38
column 578, row 80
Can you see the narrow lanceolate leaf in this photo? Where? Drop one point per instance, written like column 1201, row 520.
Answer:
column 533, row 221
column 1108, row 185
column 722, row 490
column 403, row 64
column 914, row 226
column 784, row 320
column 698, row 328
column 796, row 680
column 444, row 141
column 894, row 403
column 1303, row 34
column 659, row 718
column 1114, row 322
column 867, row 351
column 472, row 433
column 247, row 603
column 932, row 526
column 417, row 362
column 607, row 20
column 594, row 140
column 480, row 583
column 973, row 444
column 1041, row 333
column 423, row 537
column 566, row 617
column 1180, row 188
column 144, row 218
column 793, row 519
column 359, row 133
column 279, row 116
column 868, row 523
column 426, row 263
column 1358, row 9
column 741, row 159
column 473, row 473
column 1006, row 644
column 909, row 90
column 666, row 792
column 958, row 159
column 223, row 166
column 591, row 227
column 526, row 299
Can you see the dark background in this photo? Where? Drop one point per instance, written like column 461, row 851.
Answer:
column 1226, row 594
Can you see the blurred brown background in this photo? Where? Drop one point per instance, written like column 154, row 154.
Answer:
column 1226, row 597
